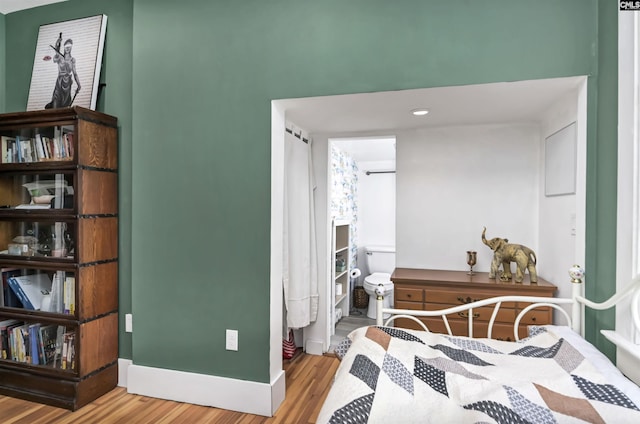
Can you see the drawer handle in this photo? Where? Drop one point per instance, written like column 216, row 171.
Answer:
column 533, row 319
column 466, row 314
column 467, row 300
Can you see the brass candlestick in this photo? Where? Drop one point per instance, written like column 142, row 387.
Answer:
column 471, row 261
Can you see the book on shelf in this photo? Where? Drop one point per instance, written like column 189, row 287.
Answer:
column 25, row 346
column 9, row 298
column 22, row 336
column 5, row 328
column 18, row 157
column 40, row 147
column 11, row 334
column 37, row 344
column 56, row 304
column 27, row 151
column 11, row 351
column 68, row 139
column 34, row 343
column 69, row 295
column 68, row 351
column 8, row 147
column 46, row 153
column 47, row 341
column 63, row 296
column 31, row 289
column 20, row 149
column 19, row 341
column 57, row 358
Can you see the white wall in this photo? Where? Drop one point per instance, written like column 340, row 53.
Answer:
column 562, row 218
column 376, row 208
column 453, row 181
column 277, row 212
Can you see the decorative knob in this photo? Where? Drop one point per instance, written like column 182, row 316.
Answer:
column 576, row 273
column 380, row 290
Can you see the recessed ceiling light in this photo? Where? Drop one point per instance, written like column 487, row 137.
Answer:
column 419, row 112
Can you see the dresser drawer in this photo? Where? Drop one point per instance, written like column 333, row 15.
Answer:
column 479, row 314
column 538, row 316
column 436, row 325
column 416, row 306
column 461, row 328
column 501, row 332
column 455, row 298
column 408, row 294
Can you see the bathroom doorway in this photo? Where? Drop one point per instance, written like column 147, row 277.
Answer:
column 362, row 190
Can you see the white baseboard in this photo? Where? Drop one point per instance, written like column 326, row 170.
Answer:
column 220, row 392
column 314, row 347
column 123, row 369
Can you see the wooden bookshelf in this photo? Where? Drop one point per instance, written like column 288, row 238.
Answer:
column 59, row 223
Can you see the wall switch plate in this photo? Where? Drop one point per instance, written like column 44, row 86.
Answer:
column 232, row 339
column 128, row 323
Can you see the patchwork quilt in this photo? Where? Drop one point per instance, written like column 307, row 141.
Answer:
column 390, row 375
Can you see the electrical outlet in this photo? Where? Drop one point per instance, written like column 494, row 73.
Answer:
column 232, row 339
column 128, row 323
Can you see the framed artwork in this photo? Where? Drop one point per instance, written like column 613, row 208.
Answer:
column 66, row 69
column 560, row 158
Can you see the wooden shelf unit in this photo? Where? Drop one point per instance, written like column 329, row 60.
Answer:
column 70, row 155
column 425, row 289
column 340, row 265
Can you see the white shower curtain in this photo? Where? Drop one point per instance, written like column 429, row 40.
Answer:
column 300, row 268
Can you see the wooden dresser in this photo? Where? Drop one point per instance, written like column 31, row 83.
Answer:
column 425, row 289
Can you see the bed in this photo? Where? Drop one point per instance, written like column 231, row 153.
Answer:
column 395, row 375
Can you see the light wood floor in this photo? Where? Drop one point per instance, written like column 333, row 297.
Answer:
column 308, row 379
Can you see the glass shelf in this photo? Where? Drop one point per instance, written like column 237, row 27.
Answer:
column 33, row 240
column 36, row 191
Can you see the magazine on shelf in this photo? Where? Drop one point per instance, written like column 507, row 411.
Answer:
column 48, row 339
column 31, row 289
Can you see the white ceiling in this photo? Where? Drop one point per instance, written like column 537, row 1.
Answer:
column 387, row 112
column 507, row 102
column 8, row 6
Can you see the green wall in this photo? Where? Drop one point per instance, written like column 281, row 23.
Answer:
column 3, row 56
column 21, row 31
column 192, row 83
column 602, row 160
column 204, row 76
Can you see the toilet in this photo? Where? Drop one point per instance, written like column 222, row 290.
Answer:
column 381, row 261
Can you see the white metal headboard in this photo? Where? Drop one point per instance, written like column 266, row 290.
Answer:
column 628, row 352
column 577, row 302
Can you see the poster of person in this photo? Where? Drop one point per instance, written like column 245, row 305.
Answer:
column 66, row 69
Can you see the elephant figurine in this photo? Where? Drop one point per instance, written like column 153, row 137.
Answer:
column 504, row 253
